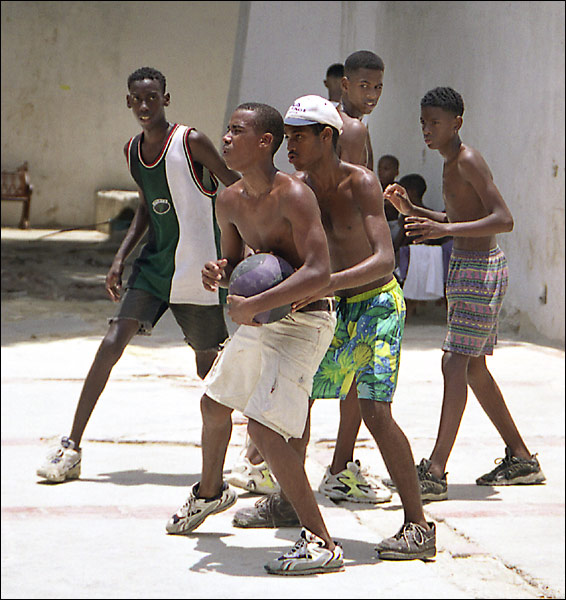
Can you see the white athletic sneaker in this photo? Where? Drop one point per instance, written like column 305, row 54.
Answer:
column 61, row 463
column 253, row 478
column 354, row 485
column 306, row 557
column 195, row 510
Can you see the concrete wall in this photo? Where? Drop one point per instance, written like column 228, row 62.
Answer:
column 64, row 72
column 505, row 58
column 64, row 66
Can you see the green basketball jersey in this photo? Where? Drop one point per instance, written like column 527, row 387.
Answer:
column 183, row 233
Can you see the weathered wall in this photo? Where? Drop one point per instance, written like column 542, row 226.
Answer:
column 505, row 58
column 64, row 72
column 65, row 64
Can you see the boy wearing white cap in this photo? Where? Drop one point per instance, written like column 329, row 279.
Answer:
column 366, row 347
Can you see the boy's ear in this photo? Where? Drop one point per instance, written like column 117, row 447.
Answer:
column 166, row 99
column 128, row 103
column 266, row 139
column 459, row 122
column 326, row 133
column 345, row 83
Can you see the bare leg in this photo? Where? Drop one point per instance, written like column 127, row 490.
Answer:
column 348, row 429
column 491, row 400
column 216, row 433
column 253, row 455
column 299, row 444
column 454, row 370
column 288, row 468
column 397, row 455
column 109, row 352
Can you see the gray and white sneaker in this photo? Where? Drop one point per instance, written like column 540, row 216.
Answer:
column 512, row 470
column 308, row 556
column 355, row 485
column 63, row 462
column 411, row 542
column 195, row 510
column 432, row 487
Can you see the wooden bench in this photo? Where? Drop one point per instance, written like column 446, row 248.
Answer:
column 16, row 187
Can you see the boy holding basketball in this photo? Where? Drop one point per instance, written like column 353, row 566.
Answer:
column 266, row 371
column 366, row 347
column 477, row 281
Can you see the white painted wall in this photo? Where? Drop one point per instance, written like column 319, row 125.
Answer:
column 64, row 72
column 65, row 64
column 505, row 58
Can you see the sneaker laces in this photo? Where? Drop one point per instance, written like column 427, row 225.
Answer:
column 299, row 549
column 409, row 530
column 186, row 510
column 422, row 469
column 56, row 456
column 424, row 473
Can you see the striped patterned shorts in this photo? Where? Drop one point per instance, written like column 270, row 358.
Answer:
column 476, row 285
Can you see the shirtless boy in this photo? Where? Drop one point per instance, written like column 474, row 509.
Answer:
column 266, row 371
column 366, row 347
column 362, row 85
column 477, row 281
column 344, row 479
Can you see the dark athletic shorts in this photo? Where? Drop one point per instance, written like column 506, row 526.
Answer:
column 203, row 326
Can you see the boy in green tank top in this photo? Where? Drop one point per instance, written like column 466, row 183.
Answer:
column 192, row 156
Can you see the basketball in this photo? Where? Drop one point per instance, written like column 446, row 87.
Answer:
column 257, row 273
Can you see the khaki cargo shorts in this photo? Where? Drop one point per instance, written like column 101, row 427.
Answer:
column 266, row 372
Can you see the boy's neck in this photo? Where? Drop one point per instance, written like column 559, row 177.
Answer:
column 258, row 181
column 451, row 149
column 349, row 108
column 325, row 174
column 157, row 133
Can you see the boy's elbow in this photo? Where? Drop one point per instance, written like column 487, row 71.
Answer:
column 390, row 264
column 509, row 223
column 324, row 278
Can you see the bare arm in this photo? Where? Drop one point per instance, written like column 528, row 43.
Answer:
column 206, row 154
column 473, row 169
column 397, row 195
column 216, row 273
column 498, row 219
column 302, row 212
column 352, row 142
column 135, row 232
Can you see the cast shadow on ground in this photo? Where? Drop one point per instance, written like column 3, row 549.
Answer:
column 459, row 491
column 220, row 557
column 143, row 477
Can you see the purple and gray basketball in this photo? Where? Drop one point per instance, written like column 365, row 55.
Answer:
column 257, row 273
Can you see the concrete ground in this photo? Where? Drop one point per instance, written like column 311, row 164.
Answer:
column 103, row 536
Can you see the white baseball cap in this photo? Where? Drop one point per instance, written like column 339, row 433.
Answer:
column 310, row 110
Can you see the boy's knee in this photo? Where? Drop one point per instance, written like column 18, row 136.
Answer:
column 453, row 363
column 374, row 412
column 477, row 369
column 212, row 412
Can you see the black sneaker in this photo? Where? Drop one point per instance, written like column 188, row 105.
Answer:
column 411, row 542
column 513, row 471
column 269, row 512
column 432, row 488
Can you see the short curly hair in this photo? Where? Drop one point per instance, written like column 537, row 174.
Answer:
column 268, row 120
column 445, row 98
column 363, row 59
column 147, row 73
